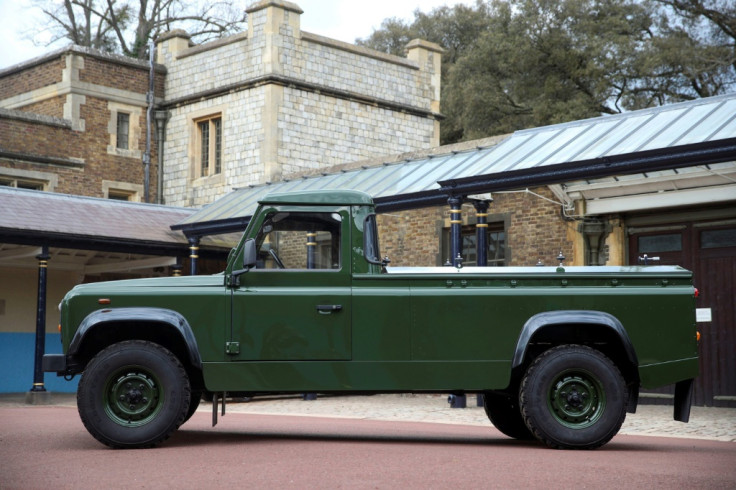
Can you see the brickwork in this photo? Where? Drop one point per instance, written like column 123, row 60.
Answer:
column 18, row 80
column 53, row 107
column 535, row 231
column 68, row 137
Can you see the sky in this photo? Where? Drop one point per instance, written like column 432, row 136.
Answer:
column 344, row 20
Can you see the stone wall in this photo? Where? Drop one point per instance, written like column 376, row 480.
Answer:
column 291, row 101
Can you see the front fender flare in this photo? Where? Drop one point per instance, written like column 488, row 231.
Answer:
column 138, row 314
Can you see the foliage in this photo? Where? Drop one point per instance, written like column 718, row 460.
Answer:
column 517, row 64
column 126, row 26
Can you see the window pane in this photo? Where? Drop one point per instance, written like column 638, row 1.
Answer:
column 660, row 243
column 204, row 134
column 123, row 130
column 497, row 248
column 299, row 241
column 218, row 144
column 495, row 239
column 718, row 238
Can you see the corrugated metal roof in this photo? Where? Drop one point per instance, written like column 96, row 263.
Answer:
column 574, row 147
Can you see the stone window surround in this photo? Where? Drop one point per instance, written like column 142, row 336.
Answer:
column 47, row 180
column 194, row 149
column 134, row 130
column 133, row 191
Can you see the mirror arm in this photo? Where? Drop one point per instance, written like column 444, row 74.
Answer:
column 235, row 276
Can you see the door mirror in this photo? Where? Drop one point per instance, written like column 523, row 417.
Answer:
column 249, row 254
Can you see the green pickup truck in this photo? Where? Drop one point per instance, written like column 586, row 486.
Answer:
column 307, row 305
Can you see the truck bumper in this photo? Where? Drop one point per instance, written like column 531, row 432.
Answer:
column 54, row 363
column 683, row 400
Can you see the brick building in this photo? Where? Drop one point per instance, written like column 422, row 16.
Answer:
column 73, row 122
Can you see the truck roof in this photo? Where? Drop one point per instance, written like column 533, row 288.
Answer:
column 341, row 197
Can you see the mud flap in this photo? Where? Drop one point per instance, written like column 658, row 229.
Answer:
column 683, row 400
column 216, row 397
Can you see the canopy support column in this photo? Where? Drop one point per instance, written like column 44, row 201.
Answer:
column 38, row 394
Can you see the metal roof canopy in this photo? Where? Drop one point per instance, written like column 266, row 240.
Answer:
column 691, row 133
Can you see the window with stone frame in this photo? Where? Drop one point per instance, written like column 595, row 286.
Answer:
column 209, row 145
column 495, row 239
column 35, row 185
column 123, row 131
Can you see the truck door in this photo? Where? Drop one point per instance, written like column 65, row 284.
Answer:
column 296, row 303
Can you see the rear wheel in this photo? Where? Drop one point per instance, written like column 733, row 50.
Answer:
column 504, row 413
column 573, row 397
column 133, row 394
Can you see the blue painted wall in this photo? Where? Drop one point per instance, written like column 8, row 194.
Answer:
column 16, row 364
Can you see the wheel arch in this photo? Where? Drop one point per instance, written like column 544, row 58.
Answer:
column 165, row 327
column 598, row 329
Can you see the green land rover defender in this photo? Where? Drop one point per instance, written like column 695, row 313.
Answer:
column 307, row 305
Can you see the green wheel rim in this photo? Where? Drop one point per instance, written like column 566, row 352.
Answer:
column 576, row 399
column 133, row 396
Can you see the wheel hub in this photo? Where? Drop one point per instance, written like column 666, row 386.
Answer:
column 132, row 398
column 576, row 399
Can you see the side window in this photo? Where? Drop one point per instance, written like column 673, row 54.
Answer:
column 123, row 131
column 305, row 241
column 209, row 145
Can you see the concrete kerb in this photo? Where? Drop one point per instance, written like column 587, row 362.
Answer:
column 709, row 423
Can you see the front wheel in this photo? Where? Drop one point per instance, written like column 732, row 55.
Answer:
column 133, row 394
column 573, row 397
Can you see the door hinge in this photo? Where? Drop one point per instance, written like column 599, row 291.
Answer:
column 232, row 348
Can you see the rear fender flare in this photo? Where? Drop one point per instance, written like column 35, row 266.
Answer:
column 572, row 317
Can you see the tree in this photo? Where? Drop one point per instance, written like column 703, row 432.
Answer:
column 126, row 26
column 516, row 64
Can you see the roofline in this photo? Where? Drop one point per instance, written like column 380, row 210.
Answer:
column 104, row 244
column 630, row 163
column 218, row 227
column 84, row 51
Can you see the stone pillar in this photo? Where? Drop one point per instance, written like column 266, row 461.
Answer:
column 169, row 44
column 38, row 394
column 429, row 58
column 275, row 26
column 265, row 22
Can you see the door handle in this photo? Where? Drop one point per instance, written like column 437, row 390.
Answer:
column 328, row 309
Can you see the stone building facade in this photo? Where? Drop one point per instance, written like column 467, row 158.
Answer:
column 276, row 101
column 74, row 122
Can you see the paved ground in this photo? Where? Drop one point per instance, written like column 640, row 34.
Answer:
column 47, row 447
column 705, row 422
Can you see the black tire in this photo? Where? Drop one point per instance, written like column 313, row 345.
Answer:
column 573, row 397
column 196, row 397
column 133, row 394
column 504, row 413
